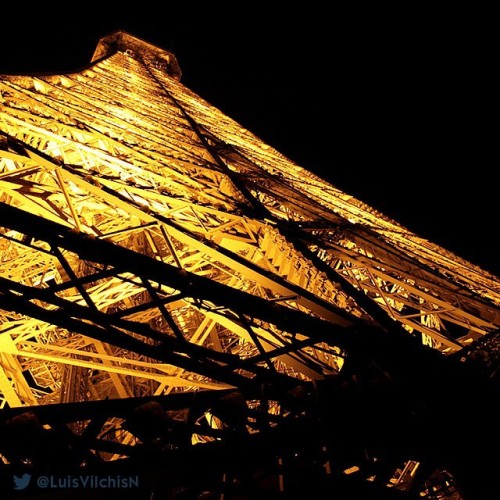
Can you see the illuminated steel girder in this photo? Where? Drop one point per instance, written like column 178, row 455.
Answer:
column 150, row 246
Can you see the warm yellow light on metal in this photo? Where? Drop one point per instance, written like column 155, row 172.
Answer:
column 123, row 152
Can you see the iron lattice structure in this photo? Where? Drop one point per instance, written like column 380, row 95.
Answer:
column 175, row 291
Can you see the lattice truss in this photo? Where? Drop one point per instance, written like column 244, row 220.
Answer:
column 150, row 245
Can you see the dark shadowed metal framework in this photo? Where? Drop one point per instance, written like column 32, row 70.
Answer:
column 181, row 302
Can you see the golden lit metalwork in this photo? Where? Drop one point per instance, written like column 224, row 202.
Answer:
column 150, row 245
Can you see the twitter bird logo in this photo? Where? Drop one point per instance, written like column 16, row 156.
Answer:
column 21, row 482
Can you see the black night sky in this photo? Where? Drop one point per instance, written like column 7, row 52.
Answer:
column 393, row 107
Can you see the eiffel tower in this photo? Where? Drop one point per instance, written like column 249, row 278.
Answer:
column 180, row 301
